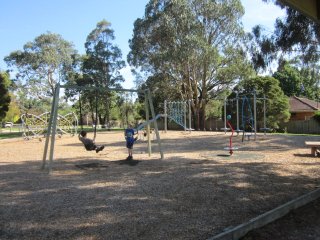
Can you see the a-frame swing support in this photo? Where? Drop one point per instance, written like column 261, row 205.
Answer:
column 52, row 124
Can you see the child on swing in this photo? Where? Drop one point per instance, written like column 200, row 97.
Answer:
column 88, row 143
column 130, row 139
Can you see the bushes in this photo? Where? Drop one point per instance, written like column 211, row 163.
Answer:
column 317, row 116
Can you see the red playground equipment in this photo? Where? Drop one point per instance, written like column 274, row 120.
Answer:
column 230, row 148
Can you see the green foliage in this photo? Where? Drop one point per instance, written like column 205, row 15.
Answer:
column 290, row 79
column 13, row 114
column 100, row 68
column 4, row 94
column 317, row 116
column 214, row 108
column 294, row 35
column 43, row 63
column 103, row 58
column 194, row 46
column 297, row 82
column 277, row 105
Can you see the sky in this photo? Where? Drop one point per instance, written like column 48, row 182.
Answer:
column 22, row 21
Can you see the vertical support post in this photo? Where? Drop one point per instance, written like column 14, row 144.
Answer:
column 225, row 115
column 165, row 117
column 54, row 126
column 255, row 113
column 264, row 114
column 148, row 123
column 190, row 115
column 155, row 123
column 45, row 151
column 237, row 100
column 185, row 115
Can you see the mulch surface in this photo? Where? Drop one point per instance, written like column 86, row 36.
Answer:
column 302, row 223
column 195, row 192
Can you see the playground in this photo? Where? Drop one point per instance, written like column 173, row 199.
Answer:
column 197, row 191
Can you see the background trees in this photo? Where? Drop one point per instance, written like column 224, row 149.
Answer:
column 4, row 94
column 101, row 68
column 182, row 49
column 42, row 63
column 295, row 40
column 195, row 45
column 277, row 104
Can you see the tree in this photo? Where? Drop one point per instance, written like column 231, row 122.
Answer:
column 297, row 82
column 290, row 79
column 277, row 105
column 294, row 35
column 43, row 63
column 101, row 66
column 4, row 94
column 13, row 113
column 196, row 45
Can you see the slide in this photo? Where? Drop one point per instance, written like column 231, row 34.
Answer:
column 150, row 121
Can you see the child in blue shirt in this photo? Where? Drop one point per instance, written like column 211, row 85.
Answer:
column 130, row 139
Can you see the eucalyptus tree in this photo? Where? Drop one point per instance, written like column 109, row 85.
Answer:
column 42, row 63
column 195, row 44
column 294, row 35
column 4, row 94
column 101, row 66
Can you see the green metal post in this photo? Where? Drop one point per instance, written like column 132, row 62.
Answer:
column 54, row 126
column 155, row 123
column 45, row 151
column 165, row 117
column 147, row 120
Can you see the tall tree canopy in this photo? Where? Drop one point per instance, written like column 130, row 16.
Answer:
column 294, row 35
column 103, row 59
column 4, row 94
column 196, row 45
column 43, row 63
column 101, row 67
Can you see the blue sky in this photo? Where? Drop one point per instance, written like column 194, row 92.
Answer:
column 22, row 21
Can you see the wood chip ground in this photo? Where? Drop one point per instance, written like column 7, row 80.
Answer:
column 194, row 193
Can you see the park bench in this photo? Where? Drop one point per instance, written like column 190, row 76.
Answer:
column 314, row 146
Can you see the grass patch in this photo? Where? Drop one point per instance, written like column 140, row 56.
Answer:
column 10, row 135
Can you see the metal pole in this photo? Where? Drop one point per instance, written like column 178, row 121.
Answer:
column 45, row 151
column 255, row 113
column 165, row 117
column 185, row 115
column 237, row 100
column 225, row 115
column 264, row 114
column 147, row 120
column 190, row 115
column 54, row 125
column 155, row 123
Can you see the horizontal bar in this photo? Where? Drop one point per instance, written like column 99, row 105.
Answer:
column 100, row 88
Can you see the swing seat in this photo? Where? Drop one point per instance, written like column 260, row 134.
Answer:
column 231, row 148
column 238, row 130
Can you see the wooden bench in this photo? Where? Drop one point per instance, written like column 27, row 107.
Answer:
column 314, row 146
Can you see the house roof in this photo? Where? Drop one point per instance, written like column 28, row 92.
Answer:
column 298, row 104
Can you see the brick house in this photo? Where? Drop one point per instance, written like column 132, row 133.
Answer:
column 302, row 108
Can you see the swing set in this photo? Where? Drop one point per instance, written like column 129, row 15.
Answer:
column 248, row 115
column 52, row 123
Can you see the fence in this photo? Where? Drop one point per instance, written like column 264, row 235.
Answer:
column 311, row 126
